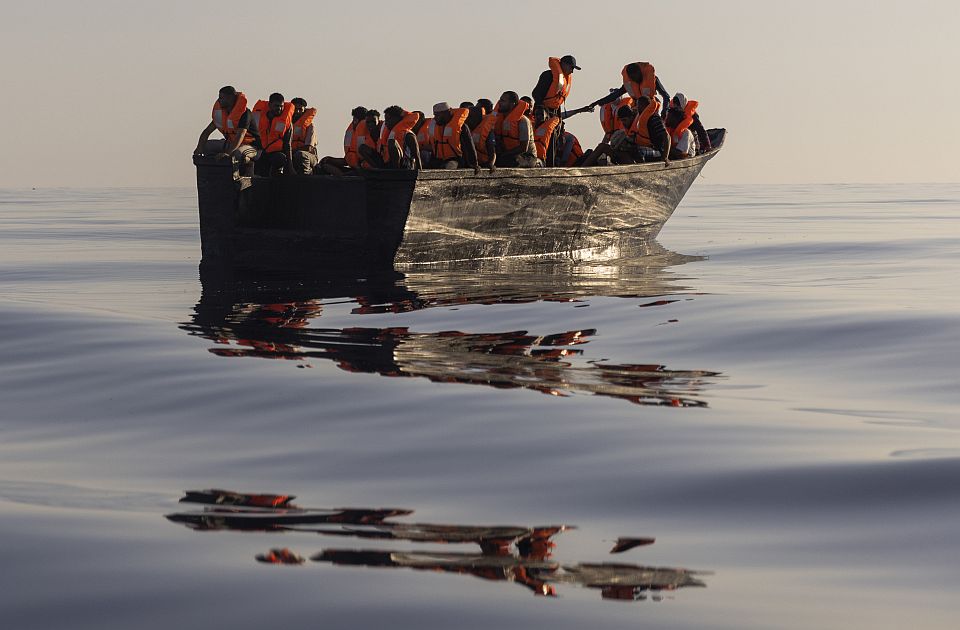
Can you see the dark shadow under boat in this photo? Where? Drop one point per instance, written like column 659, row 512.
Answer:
column 380, row 217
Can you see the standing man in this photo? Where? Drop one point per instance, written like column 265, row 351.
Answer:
column 551, row 92
column 275, row 119
column 240, row 133
column 303, row 142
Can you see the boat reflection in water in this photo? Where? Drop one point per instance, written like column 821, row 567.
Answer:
column 276, row 318
column 521, row 555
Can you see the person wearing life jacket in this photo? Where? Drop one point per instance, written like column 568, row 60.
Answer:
column 481, row 122
column 450, row 139
column 608, row 115
column 275, row 120
column 240, row 132
column 644, row 139
column 543, row 134
column 303, row 141
column 397, row 144
column 368, row 134
column 639, row 79
column 570, row 153
column 514, row 133
column 688, row 137
column 424, row 141
column 331, row 165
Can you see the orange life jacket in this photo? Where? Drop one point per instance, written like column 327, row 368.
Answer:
column 446, row 138
column 559, row 89
column 300, row 126
column 541, row 137
column 228, row 123
column 397, row 133
column 272, row 129
column 350, row 138
column 365, row 137
column 507, row 127
column 647, row 86
column 480, row 135
column 688, row 112
column 423, row 136
column 638, row 132
column 608, row 114
column 577, row 151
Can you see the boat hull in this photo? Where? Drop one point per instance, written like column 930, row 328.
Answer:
column 386, row 217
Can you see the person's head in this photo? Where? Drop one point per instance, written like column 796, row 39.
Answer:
column 441, row 113
column 527, row 100
column 475, row 116
column 359, row 113
column 392, row 115
column 466, row 104
column 508, row 101
column 539, row 114
column 486, row 104
column 421, row 119
column 299, row 106
column 568, row 64
column 641, row 103
column 276, row 103
column 373, row 119
column 626, row 114
column 635, row 72
column 678, row 102
column 227, row 97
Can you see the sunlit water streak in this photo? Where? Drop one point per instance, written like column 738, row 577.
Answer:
column 772, row 395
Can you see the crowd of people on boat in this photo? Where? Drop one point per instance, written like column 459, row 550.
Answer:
column 278, row 136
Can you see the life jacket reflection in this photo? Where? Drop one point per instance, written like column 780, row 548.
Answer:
column 273, row 129
column 300, row 126
column 446, row 138
column 638, row 131
column 228, row 123
column 560, row 88
column 507, row 127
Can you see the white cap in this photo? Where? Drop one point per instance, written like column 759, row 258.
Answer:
column 442, row 106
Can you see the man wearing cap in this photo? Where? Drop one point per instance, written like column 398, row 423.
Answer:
column 552, row 90
column 450, row 138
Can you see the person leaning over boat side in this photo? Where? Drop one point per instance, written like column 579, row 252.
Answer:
column 240, row 132
column 397, row 145
column 688, row 137
column 644, row 140
column 340, row 166
column 481, row 122
column 450, row 139
column 514, row 133
column 303, row 142
column 639, row 79
column 275, row 119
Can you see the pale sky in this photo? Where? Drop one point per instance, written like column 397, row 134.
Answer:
column 115, row 93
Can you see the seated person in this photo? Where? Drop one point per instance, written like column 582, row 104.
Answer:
column 687, row 134
column 240, row 132
column 571, row 153
column 397, row 145
column 303, row 142
column 275, row 119
column 514, row 133
column 644, row 138
column 368, row 134
column 450, row 139
column 340, row 166
column 481, row 125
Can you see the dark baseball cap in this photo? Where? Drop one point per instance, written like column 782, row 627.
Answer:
column 571, row 60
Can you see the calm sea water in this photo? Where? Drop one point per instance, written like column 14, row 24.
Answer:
column 770, row 393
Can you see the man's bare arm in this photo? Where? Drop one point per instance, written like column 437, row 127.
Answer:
column 204, row 136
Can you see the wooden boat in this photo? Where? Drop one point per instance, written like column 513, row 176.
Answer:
column 381, row 217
